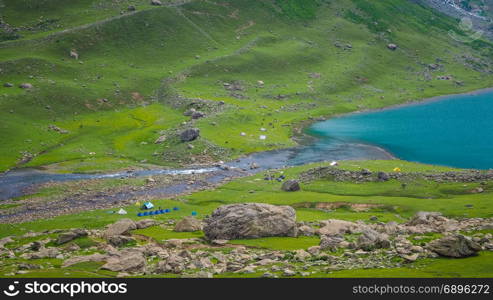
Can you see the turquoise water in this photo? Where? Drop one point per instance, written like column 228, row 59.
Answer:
column 454, row 131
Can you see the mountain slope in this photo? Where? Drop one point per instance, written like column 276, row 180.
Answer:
column 248, row 65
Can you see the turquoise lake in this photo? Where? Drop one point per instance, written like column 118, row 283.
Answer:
column 453, row 131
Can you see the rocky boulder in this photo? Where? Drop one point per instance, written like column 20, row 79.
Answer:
column 145, row 223
column 42, row 253
column 156, row 2
column 126, row 262
column 197, row 115
column 382, row 176
column 120, row 240
column 426, row 218
column 392, row 46
column 190, row 134
column 454, row 246
column 123, row 226
column 291, row 186
column 330, row 242
column 26, row 86
column 188, row 224
column 305, row 230
column 5, row 241
column 250, row 220
column 70, row 236
column 335, row 227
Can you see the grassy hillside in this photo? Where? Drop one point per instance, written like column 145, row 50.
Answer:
column 139, row 71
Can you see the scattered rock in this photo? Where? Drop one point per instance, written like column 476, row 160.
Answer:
column 219, row 242
column 5, row 241
column 336, row 227
column 121, row 227
column 371, row 239
column 160, row 140
column 145, row 223
column 120, row 240
column 197, row 115
column 57, row 129
column 305, row 230
column 291, row 186
column 250, row 220
column 8, row 85
column 426, row 218
column 190, row 134
column 410, row 258
column 454, row 246
column 126, row 262
column 156, row 2
column 382, row 176
column 173, row 264
column 71, row 235
column 330, row 242
column 43, row 253
column 301, row 255
column 188, row 224
column 26, row 86
column 392, row 46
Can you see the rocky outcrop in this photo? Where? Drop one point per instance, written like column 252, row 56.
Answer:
column 96, row 257
column 188, row 224
column 145, row 223
column 123, row 226
column 70, row 236
column 454, row 246
column 120, row 240
column 371, row 239
column 250, row 220
column 330, row 242
column 291, row 186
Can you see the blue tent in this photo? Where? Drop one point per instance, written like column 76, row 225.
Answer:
column 147, row 205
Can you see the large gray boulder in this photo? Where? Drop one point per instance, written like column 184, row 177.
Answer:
column 70, row 236
column 454, row 246
column 188, row 224
column 127, row 262
column 330, row 242
column 190, row 134
column 145, row 223
column 121, row 227
column 250, row 220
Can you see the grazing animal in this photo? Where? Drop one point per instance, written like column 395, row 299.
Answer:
column 74, row 54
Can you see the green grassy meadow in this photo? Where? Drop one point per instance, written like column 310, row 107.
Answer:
column 273, row 64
